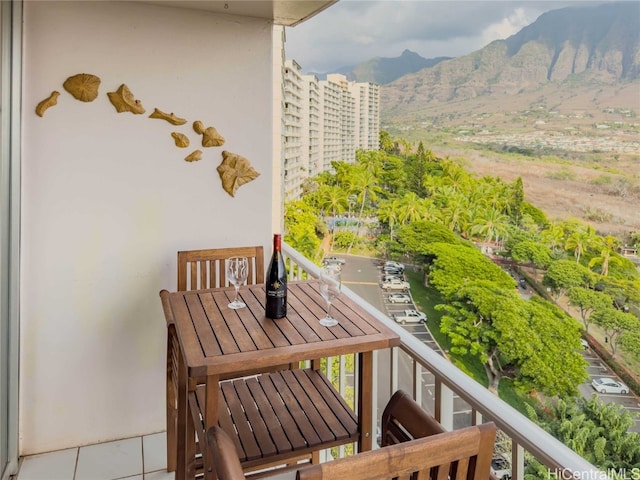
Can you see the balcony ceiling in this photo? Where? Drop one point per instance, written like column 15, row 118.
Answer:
column 282, row 12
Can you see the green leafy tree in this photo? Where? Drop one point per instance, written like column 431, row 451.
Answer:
column 386, row 142
column 452, row 266
column 587, row 301
column 565, row 274
column 596, row 430
column 416, row 172
column 516, row 201
column 630, row 343
column 303, row 228
column 533, row 252
column 531, row 341
column 615, row 324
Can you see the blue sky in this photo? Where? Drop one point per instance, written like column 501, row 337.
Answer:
column 354, row 31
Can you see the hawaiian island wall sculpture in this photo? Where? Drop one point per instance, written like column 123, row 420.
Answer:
column 180, row 139
column 210, row 136
column 194, row 156
column 124, row 101
column 234, row 172
column 169, row 117
column 50, row 101
column 83, row 86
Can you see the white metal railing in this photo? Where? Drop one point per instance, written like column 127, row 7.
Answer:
column 451, row 382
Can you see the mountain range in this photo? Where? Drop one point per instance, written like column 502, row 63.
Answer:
column 570, row 49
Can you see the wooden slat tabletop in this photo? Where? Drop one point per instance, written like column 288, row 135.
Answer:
column 217, row 340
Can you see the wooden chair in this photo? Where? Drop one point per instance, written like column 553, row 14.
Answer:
column 418, row 448
column 463, row 454
column 404, row 420
column 198, row 269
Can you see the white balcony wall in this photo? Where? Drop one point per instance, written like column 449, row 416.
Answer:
column 108, row 200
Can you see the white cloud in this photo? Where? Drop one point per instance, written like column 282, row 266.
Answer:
column 354, row 31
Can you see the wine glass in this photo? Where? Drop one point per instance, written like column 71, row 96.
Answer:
column 237, row 271
column 329, row 288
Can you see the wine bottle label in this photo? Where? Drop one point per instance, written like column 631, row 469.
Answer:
column 277, row 290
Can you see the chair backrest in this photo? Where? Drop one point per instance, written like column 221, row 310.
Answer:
column 403, row 420
column 198, row 269
column 463, row 454
column 225, row 455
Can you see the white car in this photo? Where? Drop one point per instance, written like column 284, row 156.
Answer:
column 396, row 285
column 609, row 385
column 399, row 298
column 392, row 264
column 409, row 316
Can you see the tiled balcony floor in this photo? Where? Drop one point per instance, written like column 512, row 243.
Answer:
column 138, row 458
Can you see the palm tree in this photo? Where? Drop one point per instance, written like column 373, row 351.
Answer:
column 412, row 208
column 365, row 185
column 578, row 242
column 607, row 257
column 389, row 212
column 332, row 198
column 490, row 224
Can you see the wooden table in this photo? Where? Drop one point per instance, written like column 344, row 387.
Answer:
column 219, row 343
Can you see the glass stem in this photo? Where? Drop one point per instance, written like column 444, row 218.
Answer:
column 237, row 287
column 328, row 309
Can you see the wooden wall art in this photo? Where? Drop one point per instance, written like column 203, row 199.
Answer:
column 83, row 86
column 194, row 156
column 180, row 139
column 210, row 136
column 169, row 117
column 50, row 101
column 234, row 172
column 124, row 101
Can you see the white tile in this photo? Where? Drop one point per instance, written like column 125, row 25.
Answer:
column 154, row 449
column 160, row 475
column 135, row 477
column 111, row 460
column 58, row 465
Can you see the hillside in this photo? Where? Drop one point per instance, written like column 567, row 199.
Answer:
column 572, row 47
column 557, row 104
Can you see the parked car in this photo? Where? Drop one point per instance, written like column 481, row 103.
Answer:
column 397, row 265
column 392, row 271
column 609, row 385
column 333, row 260
column 395, row 285
column 500, row 467
column 399, row 298
column 409, row 316
column 389, row 277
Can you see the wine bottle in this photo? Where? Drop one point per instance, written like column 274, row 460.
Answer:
column 276, row 304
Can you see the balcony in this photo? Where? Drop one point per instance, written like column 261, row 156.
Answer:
column 435, row 383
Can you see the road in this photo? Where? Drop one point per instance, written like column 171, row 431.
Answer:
column 361, row 274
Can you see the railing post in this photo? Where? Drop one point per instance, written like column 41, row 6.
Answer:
column 444, row 405
column 417, row 382
column 517, row 461
column 393, row 369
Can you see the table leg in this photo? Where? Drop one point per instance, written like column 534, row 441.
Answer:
column 365, row 401
column 212, row 402
column 181, row 424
